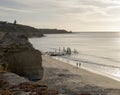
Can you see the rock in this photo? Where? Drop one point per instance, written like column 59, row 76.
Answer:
column 27, row 63
column 12, row 79
column 14, row 42
column 20, row 57
column 12, row 84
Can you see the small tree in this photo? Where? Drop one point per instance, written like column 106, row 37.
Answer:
column 15, row 21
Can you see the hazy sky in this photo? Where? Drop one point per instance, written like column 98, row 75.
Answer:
column 75, row 15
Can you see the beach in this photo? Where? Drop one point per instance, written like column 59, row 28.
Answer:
column 98, row 51
column 70, row 80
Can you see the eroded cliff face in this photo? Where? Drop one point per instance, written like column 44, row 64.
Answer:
column 19, row 56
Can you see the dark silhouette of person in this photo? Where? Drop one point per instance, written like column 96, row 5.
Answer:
column 79, row 64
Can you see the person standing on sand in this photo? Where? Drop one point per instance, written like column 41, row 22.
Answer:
column 77, row 64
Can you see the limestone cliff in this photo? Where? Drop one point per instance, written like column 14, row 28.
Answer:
column 19, row 56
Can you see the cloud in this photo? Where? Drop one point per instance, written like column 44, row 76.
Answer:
column 12, row 4
column 15, row 10
column 100, row 3
column 113, row 11
column 60, row 13
column 54, row 6
column 2, row 13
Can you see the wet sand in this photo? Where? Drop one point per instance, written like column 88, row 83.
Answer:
column 70, row 80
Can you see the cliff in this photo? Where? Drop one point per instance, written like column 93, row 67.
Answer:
column 20, row 29
column 53, row 31
column 17, row 55
column 19, row 64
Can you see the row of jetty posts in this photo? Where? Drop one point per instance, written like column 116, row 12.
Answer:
column 64, row 52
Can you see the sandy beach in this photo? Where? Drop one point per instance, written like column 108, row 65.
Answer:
column 70, row 80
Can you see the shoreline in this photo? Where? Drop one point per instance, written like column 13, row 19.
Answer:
column 70, row 80
column 88, row 69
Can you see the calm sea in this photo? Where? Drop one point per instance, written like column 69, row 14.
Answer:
column 94, row 49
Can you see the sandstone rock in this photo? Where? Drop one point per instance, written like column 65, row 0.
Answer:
column 27, row 63
column 14, row 42
column 12, row 78
column 12, row 84
column 19, row 56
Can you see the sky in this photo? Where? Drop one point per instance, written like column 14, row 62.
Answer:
column 72, row 15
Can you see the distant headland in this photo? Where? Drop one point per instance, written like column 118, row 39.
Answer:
column 54, row 31
column 27, row 30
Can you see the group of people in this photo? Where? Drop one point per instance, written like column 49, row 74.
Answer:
column 78, row 64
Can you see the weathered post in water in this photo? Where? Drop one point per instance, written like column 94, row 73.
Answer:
column 68, row 51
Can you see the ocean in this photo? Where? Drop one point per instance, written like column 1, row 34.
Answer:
column 98, row 52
